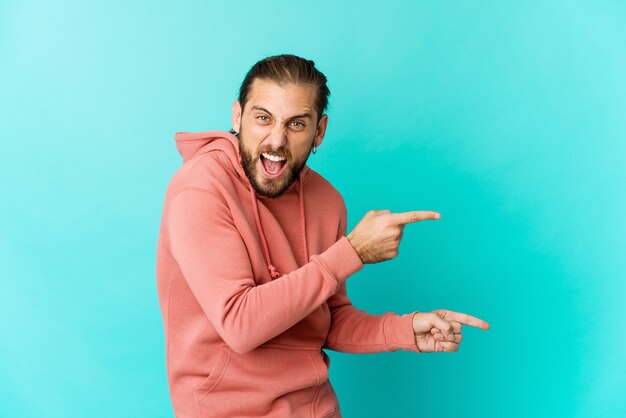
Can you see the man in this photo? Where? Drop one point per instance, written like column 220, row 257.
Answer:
column 253, row 257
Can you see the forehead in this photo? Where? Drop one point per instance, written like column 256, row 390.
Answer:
column 283, row 100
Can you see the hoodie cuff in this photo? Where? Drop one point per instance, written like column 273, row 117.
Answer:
column 340, row 260
column 398, row 332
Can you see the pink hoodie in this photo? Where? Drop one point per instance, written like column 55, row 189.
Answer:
column 252, row 288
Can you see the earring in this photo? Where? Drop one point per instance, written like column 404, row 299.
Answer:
column 314, row 150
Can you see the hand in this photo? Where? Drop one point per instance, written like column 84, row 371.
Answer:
column 440, row 330
column 377, row 235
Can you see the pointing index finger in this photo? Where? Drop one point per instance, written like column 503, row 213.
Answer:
column 464, row 319
column 402, row 218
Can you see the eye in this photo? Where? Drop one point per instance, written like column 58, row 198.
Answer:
column 263, row 116
column 298, row 124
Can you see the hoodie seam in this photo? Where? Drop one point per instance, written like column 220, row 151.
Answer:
column 320, row 263
column 188, row 187
column 384, row 333
column 181, row 189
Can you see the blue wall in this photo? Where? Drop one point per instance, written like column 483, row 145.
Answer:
column 506, row 117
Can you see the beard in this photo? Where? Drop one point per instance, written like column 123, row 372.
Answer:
column 264, row 186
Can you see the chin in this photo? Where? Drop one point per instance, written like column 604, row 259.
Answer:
column 272, row 187
column 271, row 191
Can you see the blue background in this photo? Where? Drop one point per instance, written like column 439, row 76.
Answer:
column 506, row 117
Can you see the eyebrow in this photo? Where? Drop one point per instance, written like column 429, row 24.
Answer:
column 304, row 115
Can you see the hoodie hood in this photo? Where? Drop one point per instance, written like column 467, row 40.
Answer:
column 193, row 144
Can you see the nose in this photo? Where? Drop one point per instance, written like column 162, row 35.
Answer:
column 278, row 137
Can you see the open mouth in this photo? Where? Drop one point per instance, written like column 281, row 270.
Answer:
column 272, row 165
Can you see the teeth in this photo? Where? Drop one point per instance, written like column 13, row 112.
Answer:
column 273, row 157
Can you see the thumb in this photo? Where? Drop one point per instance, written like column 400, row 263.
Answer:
column 444, row 326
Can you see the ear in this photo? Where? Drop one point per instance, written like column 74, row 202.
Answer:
column 236, row 122
column 321, row 130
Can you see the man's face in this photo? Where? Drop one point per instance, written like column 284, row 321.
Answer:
column 277, row 130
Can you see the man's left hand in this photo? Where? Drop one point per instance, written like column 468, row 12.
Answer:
column 440, row 330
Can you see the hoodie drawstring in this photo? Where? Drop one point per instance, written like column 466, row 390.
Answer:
column 273, row 272
column 302, row 220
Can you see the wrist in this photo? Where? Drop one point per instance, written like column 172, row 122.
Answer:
column 356, row 244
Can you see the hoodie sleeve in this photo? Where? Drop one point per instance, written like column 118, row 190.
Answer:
column 355, row 331
column 214, row 262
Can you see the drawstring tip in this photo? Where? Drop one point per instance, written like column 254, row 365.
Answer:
column 273, row 272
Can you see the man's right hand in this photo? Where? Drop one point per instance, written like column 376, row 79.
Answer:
column 377, row 236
